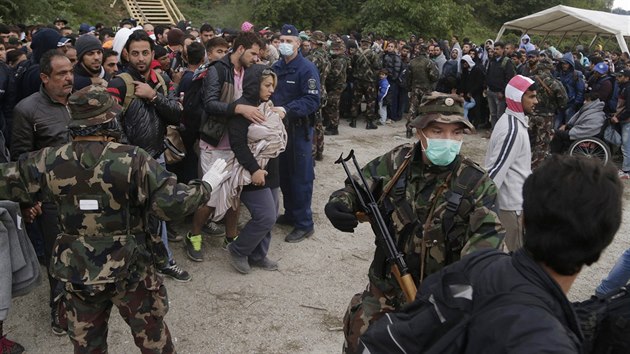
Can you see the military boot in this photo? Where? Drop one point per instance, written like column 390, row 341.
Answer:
column 370, row 125
column 353, row 122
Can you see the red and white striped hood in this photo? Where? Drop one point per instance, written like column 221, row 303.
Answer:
column 514, row 92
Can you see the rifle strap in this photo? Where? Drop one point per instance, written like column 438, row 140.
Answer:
column 396, row 177
column 427, row 223
column 537, row 78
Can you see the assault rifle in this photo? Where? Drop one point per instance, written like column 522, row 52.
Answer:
column 370, row 212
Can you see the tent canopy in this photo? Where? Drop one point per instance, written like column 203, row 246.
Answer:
column 570, row 21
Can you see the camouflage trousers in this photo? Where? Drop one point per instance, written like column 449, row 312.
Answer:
column 318, row 137
column 331, row 111
column 367, row 89
column 143, row 306
column 540, row 134
column 364, row 309
column 414, row 102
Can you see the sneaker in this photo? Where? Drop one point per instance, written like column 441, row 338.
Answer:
column 389, row 121
column 623, row 175
column 193, row 247
column 176, row 273
column 10, row 347
column 239, row 263
column 265, row 264
column 213, row 229
column 227, row 241
column 172, row 235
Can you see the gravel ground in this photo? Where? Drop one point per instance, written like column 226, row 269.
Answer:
column 298, row 309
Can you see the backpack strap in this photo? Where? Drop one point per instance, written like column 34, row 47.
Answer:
column 130, row 91
column 465, row 183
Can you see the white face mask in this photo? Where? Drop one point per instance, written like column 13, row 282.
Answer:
column 286, row 49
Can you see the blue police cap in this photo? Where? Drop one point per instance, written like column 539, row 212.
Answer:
column 289, row 30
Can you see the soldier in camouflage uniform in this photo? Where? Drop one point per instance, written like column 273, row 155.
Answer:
column 551, row 96
column 319, row 57
column 364, row 63
column 104, row 254
column 335, row 83
column 423, row 74
column 419, row 204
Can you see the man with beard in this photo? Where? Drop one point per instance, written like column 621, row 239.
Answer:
column 89, row 69
column 149, row 105
column 222, row 86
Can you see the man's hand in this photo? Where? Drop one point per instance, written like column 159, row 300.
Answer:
column 614, row 119
column 250, row 112
column 143, row 90
column 177, row 76
column 341, row 217
column 29, row 214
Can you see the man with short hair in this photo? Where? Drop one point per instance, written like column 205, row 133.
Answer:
column 41, row 121
column 423, row 74
column 216, row 48
column 222, row 86
column 320, row 58
column 438, row 58
column 432, row 170
column 149, row 105
column 532, row 60
column 365, row 64
column 500, row 71
column 89, row 69
column 509, row 156
column 110, row 62
column 206, row 33
column 298, row 92
column 161, row 35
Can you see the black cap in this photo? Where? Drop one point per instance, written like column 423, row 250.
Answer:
column 533, row 53
column 624, row 72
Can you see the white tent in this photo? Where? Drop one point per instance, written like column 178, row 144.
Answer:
column 570, row 21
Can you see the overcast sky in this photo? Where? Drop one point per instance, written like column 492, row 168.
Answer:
column 624, row 4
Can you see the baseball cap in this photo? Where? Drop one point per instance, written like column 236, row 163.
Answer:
column 442, row 108
column 624, row 72
column 601, row 68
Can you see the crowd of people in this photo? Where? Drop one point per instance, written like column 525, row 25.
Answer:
column 195, row 100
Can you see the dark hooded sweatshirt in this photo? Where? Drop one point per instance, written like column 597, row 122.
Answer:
column 29, row 83
column 238, row 127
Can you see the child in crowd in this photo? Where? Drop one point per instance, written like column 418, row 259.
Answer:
column 383, row 90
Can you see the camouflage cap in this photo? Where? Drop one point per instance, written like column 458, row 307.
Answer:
column 338, row 45
column 92, row 105
column 545, row 64
column 318, row 37
column 442, row 108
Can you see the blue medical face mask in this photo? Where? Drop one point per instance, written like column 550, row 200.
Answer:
column 442, row 152
column 286, row 49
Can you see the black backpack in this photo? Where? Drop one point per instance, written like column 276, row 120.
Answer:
column 193, row 103
column 605, row 322
column 437, row 322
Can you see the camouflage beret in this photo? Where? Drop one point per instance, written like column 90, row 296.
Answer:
column 338, row 45
column 318, row 37
column 92, row 105
column 442, row 108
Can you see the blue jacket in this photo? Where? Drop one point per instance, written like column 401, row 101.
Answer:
column 298, row 89
column 383, row 89
column 573, row 81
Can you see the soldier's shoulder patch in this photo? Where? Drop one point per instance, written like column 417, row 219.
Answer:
column 312, row 84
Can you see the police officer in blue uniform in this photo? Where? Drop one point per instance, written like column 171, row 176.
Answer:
column 298, row 93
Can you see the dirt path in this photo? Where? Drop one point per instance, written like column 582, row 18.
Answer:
column 298, row 309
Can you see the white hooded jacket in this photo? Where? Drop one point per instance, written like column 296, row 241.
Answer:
column 509, row 157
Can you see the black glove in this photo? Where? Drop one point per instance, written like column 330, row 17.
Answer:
column 342, row 218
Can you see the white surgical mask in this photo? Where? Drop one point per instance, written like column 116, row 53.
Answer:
column 286, row 49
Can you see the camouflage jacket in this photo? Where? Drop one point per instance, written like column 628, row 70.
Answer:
column 476, row 224
column 319, row 57
column 338, row 73
column 365, row 65
column 103, row 192
column 551, row 94
column 423, row 73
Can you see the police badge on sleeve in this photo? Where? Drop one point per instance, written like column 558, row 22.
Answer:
column 312, row 87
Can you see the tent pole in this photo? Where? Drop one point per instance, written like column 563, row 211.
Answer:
column 577, row 39
column 545, row 38
column 593, row 41
column 500, row 33
column 561, row 39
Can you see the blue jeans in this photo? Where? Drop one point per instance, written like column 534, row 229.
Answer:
column 625, row 146
column 253, row 241
column 618, row 276
column 496, row 106
column 162, row 224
